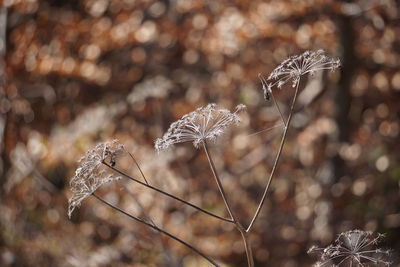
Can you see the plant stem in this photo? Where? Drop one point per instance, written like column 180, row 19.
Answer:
column 247, row 246
column 218, row 181
column 239, row 227
column 137, row 165
column 276, row 160
column 157, row 229
column 279, row 110
column 265, row 87
column 167, row 194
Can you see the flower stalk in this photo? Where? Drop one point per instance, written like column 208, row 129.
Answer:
column 275, row 166
column 157, row 229
column 238, row 225
column 165, row 193
column 291, row 69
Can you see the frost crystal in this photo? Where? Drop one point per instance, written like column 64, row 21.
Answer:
column 353, row 248
column 90, row 175
column 296, row 66
column 203, row 123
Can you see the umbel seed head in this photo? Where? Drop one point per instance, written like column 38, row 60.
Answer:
column 353, row 248
column 293, row 68
column 205, row 123
column 90, row 175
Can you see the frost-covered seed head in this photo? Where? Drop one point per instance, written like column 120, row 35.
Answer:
column 296, row 66
column 353, row 248
column 90, row 175
column 205, row 123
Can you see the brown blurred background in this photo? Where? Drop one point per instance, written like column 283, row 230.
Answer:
column 75, row 73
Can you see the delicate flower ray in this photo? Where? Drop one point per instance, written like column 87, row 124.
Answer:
column 296, row 66
column 353, row 248
column 203, row 123
column 89, row 175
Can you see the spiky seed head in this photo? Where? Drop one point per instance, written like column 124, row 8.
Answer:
column 90, row 173
column 294, row 67
column 205, row 123
column 353, row 248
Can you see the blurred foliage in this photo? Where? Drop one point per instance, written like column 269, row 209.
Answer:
column 78, row 72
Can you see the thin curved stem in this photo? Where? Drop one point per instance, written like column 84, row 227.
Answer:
column 157, row 229
column 239, row 227
column 267, row 129
column 260, row 205
column 137, row 165
column 279, row 110
column 265, row 88
column 218, row 181
column 167, row 194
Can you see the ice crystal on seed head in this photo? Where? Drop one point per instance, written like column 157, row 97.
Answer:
column 353, row 248
column 205, row 123
column 90, row 174
column 296, row 66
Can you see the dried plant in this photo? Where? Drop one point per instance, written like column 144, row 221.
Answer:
column 292, row 68
column 90, row 174
column 205, row 123
column 353, row 248
column 199, row 127
column 296, row 66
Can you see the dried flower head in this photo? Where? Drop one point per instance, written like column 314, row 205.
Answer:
column 353, row 248
column 296, row 66
column 90, row 174
column 202, row 124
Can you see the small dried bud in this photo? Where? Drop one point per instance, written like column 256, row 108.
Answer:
column 266, row 87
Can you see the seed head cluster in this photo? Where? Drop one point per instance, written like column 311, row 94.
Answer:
column 353, row 248
column 205, row 123
column 90, row 174
column 296, row 66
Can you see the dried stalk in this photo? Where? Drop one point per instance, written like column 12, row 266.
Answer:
column 239, row 227
column 286, row 128
column 157, row 229
column 166, row 194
